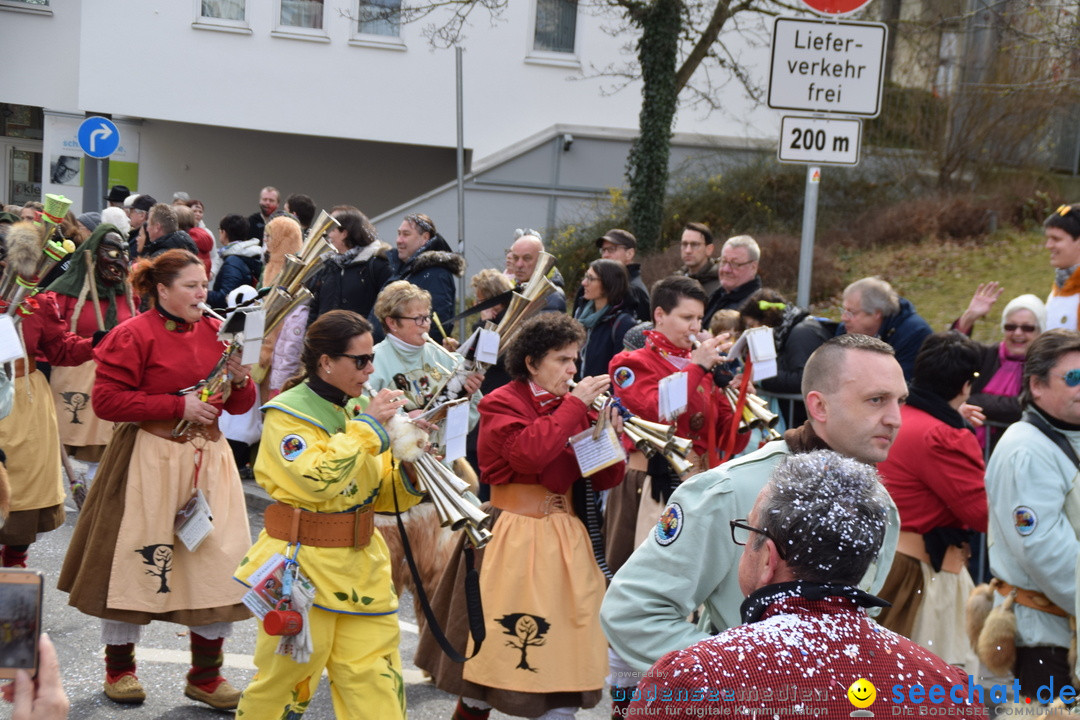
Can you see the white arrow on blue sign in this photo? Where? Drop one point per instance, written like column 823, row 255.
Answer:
column 98, row 137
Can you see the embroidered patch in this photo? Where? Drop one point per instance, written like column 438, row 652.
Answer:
column 623, row 376
column 1025, row 520
column 670, row 525
column 292, row 446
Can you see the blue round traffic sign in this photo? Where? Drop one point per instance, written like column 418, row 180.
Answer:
column 98, row 137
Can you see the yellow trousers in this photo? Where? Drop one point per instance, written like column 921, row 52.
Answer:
column 359, row 653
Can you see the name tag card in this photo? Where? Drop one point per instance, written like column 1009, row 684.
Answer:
column 11, row 346
column 455, row 429
column 672, row 395
column 596, row 453
column 193, row 522
column 487, row 348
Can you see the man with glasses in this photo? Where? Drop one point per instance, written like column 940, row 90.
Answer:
column 696, row 249
column 814, row 530
column 853, row 389
column 737, row 272
column 872, row 307
column 1034, row 521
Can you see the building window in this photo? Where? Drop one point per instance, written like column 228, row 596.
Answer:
column 556, row 22
column 379, row 17
column 223, row 9
column 302, row 13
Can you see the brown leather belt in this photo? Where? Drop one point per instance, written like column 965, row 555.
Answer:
column 341, row 529
column 164, row 428
column 530, row 500
column 1030, row 598
column 912, row 545
column 25, row 367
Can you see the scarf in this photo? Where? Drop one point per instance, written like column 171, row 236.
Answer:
column 542, row 399
column 937, row 407
column 1007, row 381
column 1062, row 275
column 658, row 342
column 759, row 601
column 589, row 316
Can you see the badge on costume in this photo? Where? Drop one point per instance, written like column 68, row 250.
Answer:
column 292, row 446
column 623, row 376
column 1025, row 520
column 670, row 525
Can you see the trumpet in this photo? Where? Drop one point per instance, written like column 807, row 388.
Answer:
column 649, row 437
column 32, row 255
column 215, row 382
column 755, row 414
column 527, row 302
column 289, row 289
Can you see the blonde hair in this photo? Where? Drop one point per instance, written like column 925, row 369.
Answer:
column 725, row 321
column 282, row 235
column 395, row 296
column 490, row 283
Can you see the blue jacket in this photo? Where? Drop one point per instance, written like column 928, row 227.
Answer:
column 434, row 268
column 605, row 340
column 241, row 264
column 905, row 331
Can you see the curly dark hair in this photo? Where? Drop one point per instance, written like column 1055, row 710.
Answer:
column 540, row 335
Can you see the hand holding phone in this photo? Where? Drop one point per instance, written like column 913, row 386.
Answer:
column 20, row 621
column 43, row 698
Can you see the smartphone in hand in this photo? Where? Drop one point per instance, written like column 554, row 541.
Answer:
column 20, row 621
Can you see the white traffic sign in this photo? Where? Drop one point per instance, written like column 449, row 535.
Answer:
column 825, row 141
column 827, row 66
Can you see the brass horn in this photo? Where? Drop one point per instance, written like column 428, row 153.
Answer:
column 455, row 504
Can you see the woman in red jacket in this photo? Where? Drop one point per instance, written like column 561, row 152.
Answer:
column 126, row 563
column 540, row 582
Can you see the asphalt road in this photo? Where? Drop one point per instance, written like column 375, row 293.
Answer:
column 163, row 657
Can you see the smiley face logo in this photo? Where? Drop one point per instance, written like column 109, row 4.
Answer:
column 862, row 693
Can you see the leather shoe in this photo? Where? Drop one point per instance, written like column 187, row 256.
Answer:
column 126, row 689
column 224, row 697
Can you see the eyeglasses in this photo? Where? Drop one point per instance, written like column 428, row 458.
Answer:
column 1013, row 327
column 733, row 264
column 850, row 313
column 1071, row 378
column 362, row 361
column 590, row 278
column 418, row 319
column 740, row 534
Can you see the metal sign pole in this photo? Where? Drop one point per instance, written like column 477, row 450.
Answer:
column 460, row 185
column 806, row 247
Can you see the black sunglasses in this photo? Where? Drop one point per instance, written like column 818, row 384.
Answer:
column 1011, row 327
column 360, row 360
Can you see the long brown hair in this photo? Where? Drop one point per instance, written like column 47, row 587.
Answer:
column 330, row 334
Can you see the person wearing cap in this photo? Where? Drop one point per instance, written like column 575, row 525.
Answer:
column 140, row 209
column 117, row 195
column 621, row 246
column 996, row 390
column 1062, row 230
column 696, row 249
column 737, row 272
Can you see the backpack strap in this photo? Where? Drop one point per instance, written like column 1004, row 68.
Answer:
column 1055, row 437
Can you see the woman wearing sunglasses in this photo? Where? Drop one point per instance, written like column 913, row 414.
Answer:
column 997, row 388
column 329, row 470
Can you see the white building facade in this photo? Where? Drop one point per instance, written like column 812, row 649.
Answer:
column 218, row 98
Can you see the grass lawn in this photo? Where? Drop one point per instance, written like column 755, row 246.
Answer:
column 940, row 277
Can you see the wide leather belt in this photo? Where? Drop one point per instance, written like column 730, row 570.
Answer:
column 24, row 367
column 164, row 428
column 341, row 529
column 912, row 545
column 531, row 500
column 1030, row 598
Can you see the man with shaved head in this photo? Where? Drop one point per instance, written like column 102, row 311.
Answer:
column 522, row 259
column 853, row 389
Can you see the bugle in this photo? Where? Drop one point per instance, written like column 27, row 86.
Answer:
column 649, row 437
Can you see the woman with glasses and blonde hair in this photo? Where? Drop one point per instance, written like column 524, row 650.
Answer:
column 328, row 468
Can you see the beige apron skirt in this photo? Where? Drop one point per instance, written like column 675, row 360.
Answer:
column 542, row 592
column 79, row 426
column 29, row 437
column 125, row 563
column 448, row 604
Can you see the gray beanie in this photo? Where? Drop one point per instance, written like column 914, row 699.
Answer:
column 91, row 220
column 1027, row 302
